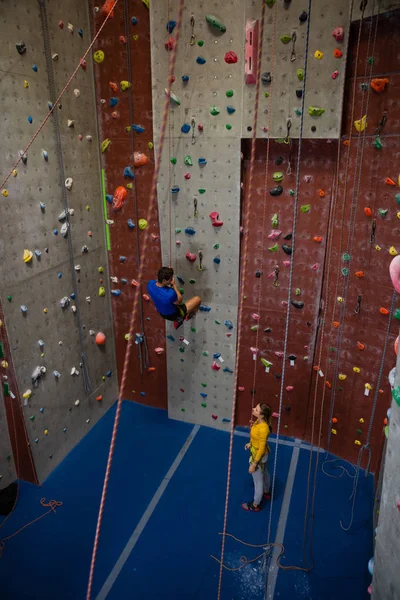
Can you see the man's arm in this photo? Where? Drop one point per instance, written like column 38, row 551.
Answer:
column 179, row 295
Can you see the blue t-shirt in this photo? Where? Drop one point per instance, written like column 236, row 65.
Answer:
column 163, row 298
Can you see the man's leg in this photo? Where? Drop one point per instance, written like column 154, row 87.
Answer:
column 193, row 305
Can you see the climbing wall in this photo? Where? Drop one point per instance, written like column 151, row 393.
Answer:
column 38, row 264
column 201, row 158
column 125, row 42
column 7, row 466
column 284, row 48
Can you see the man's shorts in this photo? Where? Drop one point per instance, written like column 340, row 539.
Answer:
column 179, row 315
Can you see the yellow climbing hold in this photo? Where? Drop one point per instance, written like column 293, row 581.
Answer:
column 398, row 215
column 26, row 84
column 129, row 186
column 87, row 207
column 318, row 54
column 393, row 251
column 128, row 128
column 368, row 386
column 135, row 38
column 46, row 432
column 98, row 56
column 361, row 420
column 146, row 3
column 125, row 85
column 126, row 336
column 105, row 144
column 340, row 299
column 378, row 248
column 342, row 377
column 356, row 369
column 45, row 310
column 5, row 193
column 142, row 224
column 4, row 364
column 15, row 173
column 28, row 254
column 102, row 291
column 100, row 270
column 357, row 442
column 361, row 124
column 26, row 395
column 334, row 431
column 150, row 145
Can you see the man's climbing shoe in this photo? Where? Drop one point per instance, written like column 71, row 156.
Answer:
column 249, row 506
column 267, row 496
column 190, row 316
column 178, row 323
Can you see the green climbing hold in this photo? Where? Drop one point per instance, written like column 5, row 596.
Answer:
column 205, row 353
column 178, row 230
column 32, row 418
column 285, row 38
column 300, row 74
column 346, row 257
column 182, row 349
column 397, row 314
column 228, row 126
column 330, row 361
column 217, row 322
column 193, row 329
column 216, row 246
column 200, row 43
column 332, row 349
column 340, row 388
column 266, row 363
column 292, row 192
column 315, row 111
column 8, row 457
column 9, row 298
column 204, row 404
column 275, row 220
column 266, row 94
column 6, row 388
column 396, row 395
column 182, row 410
column 298, row 291
column 383, row 212
column 229, row 93
column 202, row 190
column 188, row 161
column 359, row 431
column 345, row 272
column 277, row 176
column 216, row 23
column 254, row 328
column 173, row 160
column 1, row 350
column 377, row 144
column 204, row 385
column 270, row 3
column 371, row 60
column 182, row 291
column 364, row 87
column 192, row 281
column 305, row 208
column 298, row 112
column 397, row 196
column 273, row 248
column 214, row 110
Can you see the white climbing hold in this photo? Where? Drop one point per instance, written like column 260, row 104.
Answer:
column 89, row 138
column 77, row 92
column 88, row 299
column 114, row 279
column 92, row 332
column 54, row 56
column 71, row 122
column 64, row 302
column 73, row 308
column 68, row 183
column 109, row 222
column 77, row 402
column 57, row 374
column 37, row 374
column 64, row 229
column 77, row 268
column 60, row 343
column 70, row 28
column 74, row 371
column 87, row 420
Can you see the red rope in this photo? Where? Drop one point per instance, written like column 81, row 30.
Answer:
column 150, row 213
column 241, row 290
column 59, row 97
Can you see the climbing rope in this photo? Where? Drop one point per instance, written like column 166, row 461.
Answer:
column 87, row 384
column 241, row 289
column 290, row 284
column 151, row 208
column 55, row 104
column 143, row 345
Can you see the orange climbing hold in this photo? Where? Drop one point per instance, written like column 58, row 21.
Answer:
column 107, row 8
column 317, row 239
column 329, row 386
column 334, row 420
column 346, row 143
column 359, row 274
column 379, row 84
column 151, row 369
column 100, row 339
column 113, row 86
column 99, row 398
column 119, row 198
column 367, row 211
column 389, row 181
column 321, row 193
column 384, row 311
column 337, row 53
column 139, row 159
column 122, row 39
column 360, row 346
column 316, row 368
column 336, row 324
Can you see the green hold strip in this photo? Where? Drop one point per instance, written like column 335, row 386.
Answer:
column 6, row 389
column 229, row 93
column 188, row 161
column 273, row 248
column 216, row 23
column 315, row 111
column 305, row 208
column 202, row 190
column 103, row 187
column 214, row 110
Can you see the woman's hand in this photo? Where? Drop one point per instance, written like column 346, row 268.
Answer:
column 247, row 446
column 252, row 468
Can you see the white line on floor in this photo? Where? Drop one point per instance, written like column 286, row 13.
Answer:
column 145, row 518
column 295, row 442
column 280, row 534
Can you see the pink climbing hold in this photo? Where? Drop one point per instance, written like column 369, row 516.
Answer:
column 272, row 275
column 315, row 267
column 159, row 350
column 338, row 34
column 215, row 417
column 146, row 297
column 396, row 346
column 231, row 58
column 255, row 316
column 215, row 366
column 191, row 257
column 286, row 263
column 214, row 216
column 279, row 354
column 275, row 415
column 289, row 388
column 83, row 64
column 178, row 242
column 275, row 234
column 398, row 505
column 284, row 302
column 155, row 236
column 254, row 350
column 241, row 388
column 394, row 270
column 307, row 178
column 335, row 74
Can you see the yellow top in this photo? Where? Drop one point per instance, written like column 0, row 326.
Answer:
column 258, row 441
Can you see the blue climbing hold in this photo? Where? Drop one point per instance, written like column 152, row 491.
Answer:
column 131, row 224
column 185, row 78
column 55, row 231
column 35, row 68
column 171, row 337
column 216, row 355
column 80, row 32
column 134, row 21
column 115, row 292
column 122, row 259
column 203, row 395
column 30, row 120
column 42, row 206
column 109, row 198
column 142, row 393
column 202, row 162
column 200, row 60
column 38, row 253
column 41, row 410
column 225, row 420
column 50, row 105
column 181, row 281
column 171, row 26
column 230, row 110
column 124, row 280
column 217, row 260
column 175, row 189
column 59, row 275
column 185, row 128
column 109, row 373
column 138, row 338
column 113, row 101
column 72, row 296
column 138, row 128
column 204, row 308
column 228, row 324
column 227, row 370
column 190, row 231
column 129, row 173
column 24, row 309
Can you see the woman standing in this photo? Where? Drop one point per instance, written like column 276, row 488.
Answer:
column 259, row 451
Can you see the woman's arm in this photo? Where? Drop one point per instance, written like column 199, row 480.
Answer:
column 262, row 444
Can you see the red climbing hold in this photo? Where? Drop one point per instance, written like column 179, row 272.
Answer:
column 231, row 57
column 214, row 216
column 215, row 417
column 367, row 211
column 122, row 39
column 187, row 175
column 169, row 44
column 337, row 53
column 215, row 366
column 100, row 339
column 119, row 198
column 106, row 9
column 191, row 257
column 83, row 64
column 61, row 24
column 113, row 86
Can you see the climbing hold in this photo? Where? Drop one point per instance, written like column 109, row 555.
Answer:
column 275, row 234
column 300, row 74
column 379, row 84
column 273, row 248
column 35, row 68
column 315, row 266
column 297, row 304
column 305, row 208
column 367, row 211
column 124, row 85
column 335, row 74
column 342, row 377
column 215, row 366
column 129, row 173
column 303, row 17
column 377, row 143
column 169, row 44
column 28, row 255
column 317, row 239
column 337, row 53
column 105, row 144
column 30, row 120
column 285, row 38
column 361, row 124
column 214, row 110
column 277, row 176
column 266, row 77
column 21, row 48
column 142, row 224
column 200, row 60
column 230, row 110
column 275, row 220
column 202, row 162
column 24, row 309
column 185, row 128
column 98, row 56
column 173, row 97
column 315, row 111
column 356, row 369
column 188, row 161
column 338, row 34
column 299, row 93
column 228, row 126
column 384, row 311
column 191, row 257
column 318, row 54
column 359, row 274
column 393, row 251
column 119, row 197
column 231, row 57
column 276, row 191
column 270, row 3
column 214, row 216
column 287, row 249
column 216, row 23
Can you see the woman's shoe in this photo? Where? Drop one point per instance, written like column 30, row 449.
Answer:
column 249, row 506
